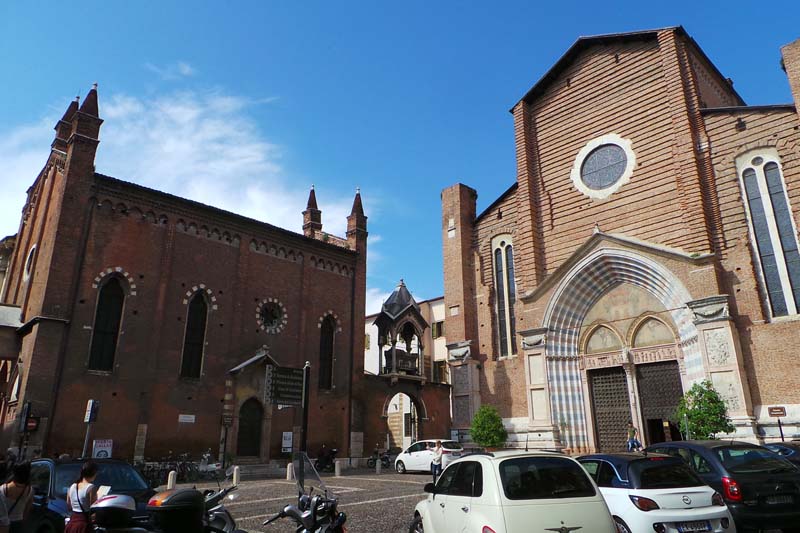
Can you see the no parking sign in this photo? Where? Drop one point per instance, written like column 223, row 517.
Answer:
column 101, row 448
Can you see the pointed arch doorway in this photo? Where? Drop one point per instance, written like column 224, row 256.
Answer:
column 248, row 441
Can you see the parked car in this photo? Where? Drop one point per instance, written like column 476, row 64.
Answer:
column 419, row 455
column 761, row 489
column 51, row 480
column 788, row 450
column 657, row 492
column 513, row 492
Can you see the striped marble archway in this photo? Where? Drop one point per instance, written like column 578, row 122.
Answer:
column 577, row 293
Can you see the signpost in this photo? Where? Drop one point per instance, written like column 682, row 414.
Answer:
column 287, row 386
column 777, row 412
column 101, row 448
column 92, row 406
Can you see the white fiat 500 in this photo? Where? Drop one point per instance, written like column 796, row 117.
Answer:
column 418, row 456
column 657, row 493
column 513, row 492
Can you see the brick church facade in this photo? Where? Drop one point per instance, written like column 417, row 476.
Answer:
column 168, row 311
column 648, row 243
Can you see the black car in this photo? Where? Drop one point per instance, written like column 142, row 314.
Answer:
column 51, row 480
column 788, row 450
column 761, row 489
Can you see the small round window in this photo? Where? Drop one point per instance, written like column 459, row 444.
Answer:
column 271, row 315
column 603, row 166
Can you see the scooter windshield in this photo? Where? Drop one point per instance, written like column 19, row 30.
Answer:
column 306, row 476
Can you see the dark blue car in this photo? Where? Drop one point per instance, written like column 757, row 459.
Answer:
column 51, row 480
column 788, row 450
column 761, row 489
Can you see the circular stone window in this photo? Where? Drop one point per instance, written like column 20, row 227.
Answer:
column 271, row 315
column 603, row 166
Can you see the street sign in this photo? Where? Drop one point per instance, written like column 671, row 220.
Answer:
column 186, row 419
column 287, row 386
column 91, row 411
column 227, row 420
column 101, row 448
column 32, row 424
column 777, row 412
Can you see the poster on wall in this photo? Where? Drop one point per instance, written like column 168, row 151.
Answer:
column 286, row 442
column 101, row 448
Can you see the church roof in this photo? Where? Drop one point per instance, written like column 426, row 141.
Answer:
column 399, row 301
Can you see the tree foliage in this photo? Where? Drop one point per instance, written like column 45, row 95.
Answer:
column 705, row 410
column 487, row 428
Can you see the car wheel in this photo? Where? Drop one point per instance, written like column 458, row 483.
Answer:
column 416, row 525
column 400, row 467
column 622, row 527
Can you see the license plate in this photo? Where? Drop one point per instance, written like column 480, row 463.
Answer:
column 697, row 525
column 779, row 499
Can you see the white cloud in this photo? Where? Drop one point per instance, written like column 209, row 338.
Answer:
column 173, row 71
column 199, row 145
column 375, row 299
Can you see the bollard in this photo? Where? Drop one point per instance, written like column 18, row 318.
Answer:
column 290, row 472
column 337, row 468
column 171, row 479
column 236, row 476
column 377, row 467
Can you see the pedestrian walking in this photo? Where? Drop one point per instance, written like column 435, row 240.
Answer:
column 80, row 497
column 18, row 496
column 436, row 464
column 633, row 442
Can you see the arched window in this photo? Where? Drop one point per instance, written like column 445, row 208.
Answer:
column 603, row 339
column 773, row 230
column 106, row 325
column 505, row 294
column 652, row 332
column 326, row 339
column 194, row 339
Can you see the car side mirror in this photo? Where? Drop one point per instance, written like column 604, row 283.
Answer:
column 430, row 488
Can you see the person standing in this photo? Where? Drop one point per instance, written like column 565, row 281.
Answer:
column 633, row 442
column 80, row 497
column 18, row 496
column 436, row 463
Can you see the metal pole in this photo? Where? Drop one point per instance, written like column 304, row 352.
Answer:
column 224, row 446
column 686, row 424
column 780, row 428
column 86, row 439
column 306, row 391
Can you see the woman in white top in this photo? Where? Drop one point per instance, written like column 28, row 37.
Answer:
column 18, row 496
column 80, row 497
column 436, row 464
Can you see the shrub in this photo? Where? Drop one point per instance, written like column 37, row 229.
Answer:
column 487, row 428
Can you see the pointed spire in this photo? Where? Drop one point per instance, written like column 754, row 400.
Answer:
column 312, row 199
column 358, row 209
column 89, row 105
column 70, row 112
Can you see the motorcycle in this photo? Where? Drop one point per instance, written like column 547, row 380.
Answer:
column 182, row 510
column 208, row 468
column 327, row 462
column 316, row 510
column 384, row 457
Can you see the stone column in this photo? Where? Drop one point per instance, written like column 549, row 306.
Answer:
column 466, row 395
column 542, row 431
column 723, row 362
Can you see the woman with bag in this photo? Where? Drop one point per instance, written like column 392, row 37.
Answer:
column 80, row 497
column 18, row 496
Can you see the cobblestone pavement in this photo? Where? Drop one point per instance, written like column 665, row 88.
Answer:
column 374, row 503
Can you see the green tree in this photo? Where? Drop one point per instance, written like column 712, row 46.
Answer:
column 705, row 410
column 487, row 428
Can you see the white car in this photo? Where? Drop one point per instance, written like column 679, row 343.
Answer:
column 657, row 493
column 418, row 456
column 513, row 492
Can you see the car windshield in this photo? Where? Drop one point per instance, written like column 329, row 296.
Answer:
column 536, row 478
column 451, row 445
column 662, row 473
column 751, row 459
column 120, row 477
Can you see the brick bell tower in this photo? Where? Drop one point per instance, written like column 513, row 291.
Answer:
column 45, row 269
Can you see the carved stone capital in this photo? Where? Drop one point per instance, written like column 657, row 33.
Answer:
column 533, row 338
column 459, row 351
column 711, row 309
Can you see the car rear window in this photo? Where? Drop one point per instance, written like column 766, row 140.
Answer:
column 451, row 445
column 662, row 473
column 751, row 459
column 537, row 478
column 119, row 476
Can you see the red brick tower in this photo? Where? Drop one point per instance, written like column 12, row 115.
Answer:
column 312, row 216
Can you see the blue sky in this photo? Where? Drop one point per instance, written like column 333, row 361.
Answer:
column 245, row 104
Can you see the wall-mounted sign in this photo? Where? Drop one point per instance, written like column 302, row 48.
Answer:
column 777, row 411
column 186, row 419
column 101, row 448
column 286, row 442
